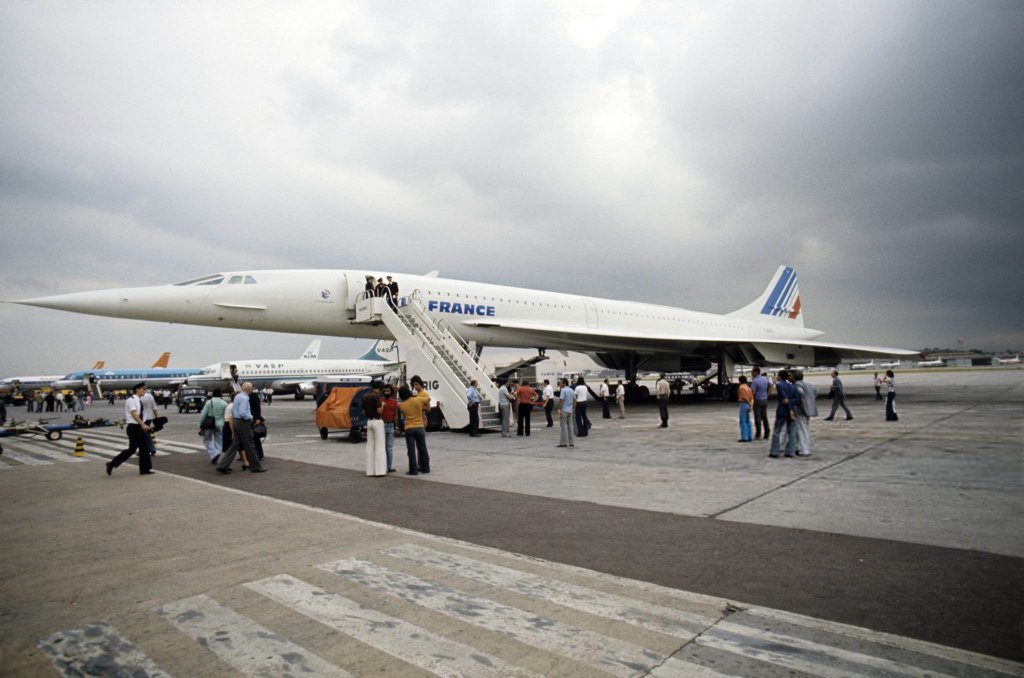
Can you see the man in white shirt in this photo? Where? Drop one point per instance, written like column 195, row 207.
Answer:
column 605, row 393
column 148, row 403
column 549, row 401
column 582, row 421
column 620, row 399
column 137, row 431
column 662, row 390
column 505, row 409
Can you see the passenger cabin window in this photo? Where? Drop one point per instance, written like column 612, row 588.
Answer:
column 235, row 280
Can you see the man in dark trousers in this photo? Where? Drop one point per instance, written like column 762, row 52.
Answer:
column 243, row 437
column 257, row 418
column 138, row 433
column 393, row 293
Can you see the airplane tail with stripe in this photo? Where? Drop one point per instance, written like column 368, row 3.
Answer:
column 163, row 360
column 779, row 303
column 312, row 351
column 385, row 351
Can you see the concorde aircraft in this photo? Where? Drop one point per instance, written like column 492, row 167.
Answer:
column 618, row 334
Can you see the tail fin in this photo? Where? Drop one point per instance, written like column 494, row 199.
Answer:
column 780, row 301
column 312, row 351
column 163, row 360
column 386, row 351
column 99, row 365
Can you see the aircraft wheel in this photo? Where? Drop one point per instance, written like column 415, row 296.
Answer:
column 323, row 434
column 54, row 435
column 299, row 395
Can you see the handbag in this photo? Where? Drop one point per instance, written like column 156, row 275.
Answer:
column 260, row 430
column 208, row 423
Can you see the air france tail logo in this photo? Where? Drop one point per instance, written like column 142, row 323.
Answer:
column 460, row 309
column 784, row 301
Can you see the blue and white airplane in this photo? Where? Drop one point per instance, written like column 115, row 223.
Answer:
column 114, row 380
column 617, row 334
column 297, row 376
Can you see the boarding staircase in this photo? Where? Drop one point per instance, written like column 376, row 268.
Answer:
column 433, row 349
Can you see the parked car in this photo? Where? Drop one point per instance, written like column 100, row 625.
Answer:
column 191, row 399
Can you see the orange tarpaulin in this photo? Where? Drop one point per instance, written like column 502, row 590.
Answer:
column 333, row 412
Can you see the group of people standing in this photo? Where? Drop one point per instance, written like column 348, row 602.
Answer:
column 387, row 290
column 795, row 407
column 382, row 409
column 55, row 401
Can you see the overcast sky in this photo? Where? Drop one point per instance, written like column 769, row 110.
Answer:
column 671, row 152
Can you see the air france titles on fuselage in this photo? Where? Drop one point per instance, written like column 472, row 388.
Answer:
column 459, row 308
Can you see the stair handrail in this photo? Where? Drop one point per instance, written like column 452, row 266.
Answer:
column 439, row 332
column 443, row 326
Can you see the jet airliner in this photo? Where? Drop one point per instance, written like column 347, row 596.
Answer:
column 297, row 376
column 617, row 334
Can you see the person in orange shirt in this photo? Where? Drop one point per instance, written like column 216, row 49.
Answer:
column 746, row 403
column 414, row 407
column 526, row 396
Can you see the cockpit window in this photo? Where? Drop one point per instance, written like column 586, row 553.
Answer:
column 214, row 279
column 249, row 280
column 235, row 280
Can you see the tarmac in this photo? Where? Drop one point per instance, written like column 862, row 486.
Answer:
column 895, row 549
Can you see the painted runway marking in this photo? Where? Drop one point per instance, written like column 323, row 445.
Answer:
column 119, row 438
column 251, row 649
column 798, row 654
column 665, row 620
column 901, row 642
column 97, row 650
column 48, row 450
column 677, row 668
column 603, row 652
column 408, row 642
column 26, row 459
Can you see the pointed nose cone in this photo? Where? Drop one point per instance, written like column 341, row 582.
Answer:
column 100, row 302
column 166, row 303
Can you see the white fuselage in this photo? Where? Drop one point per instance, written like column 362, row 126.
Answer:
column 28, row 383
column 317, row 302
column 290, row 376
column 322, row 302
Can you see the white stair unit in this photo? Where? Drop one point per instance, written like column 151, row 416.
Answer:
column 433, row 349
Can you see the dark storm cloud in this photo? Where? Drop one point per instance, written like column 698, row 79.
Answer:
column 666, row 152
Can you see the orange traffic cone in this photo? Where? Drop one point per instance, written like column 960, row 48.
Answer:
column 79, row 448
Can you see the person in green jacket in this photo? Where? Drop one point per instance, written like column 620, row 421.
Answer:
column 213, row 437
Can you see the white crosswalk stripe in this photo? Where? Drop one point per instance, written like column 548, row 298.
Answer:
column 602, row 652
column 104, row 444
column 802, row 655
column 50, row 451
column 97, row 650
column 251, row 649
column 401, row 639
column 449, row 623
column 117, row 436
column 666, row 620
column 23, row 458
